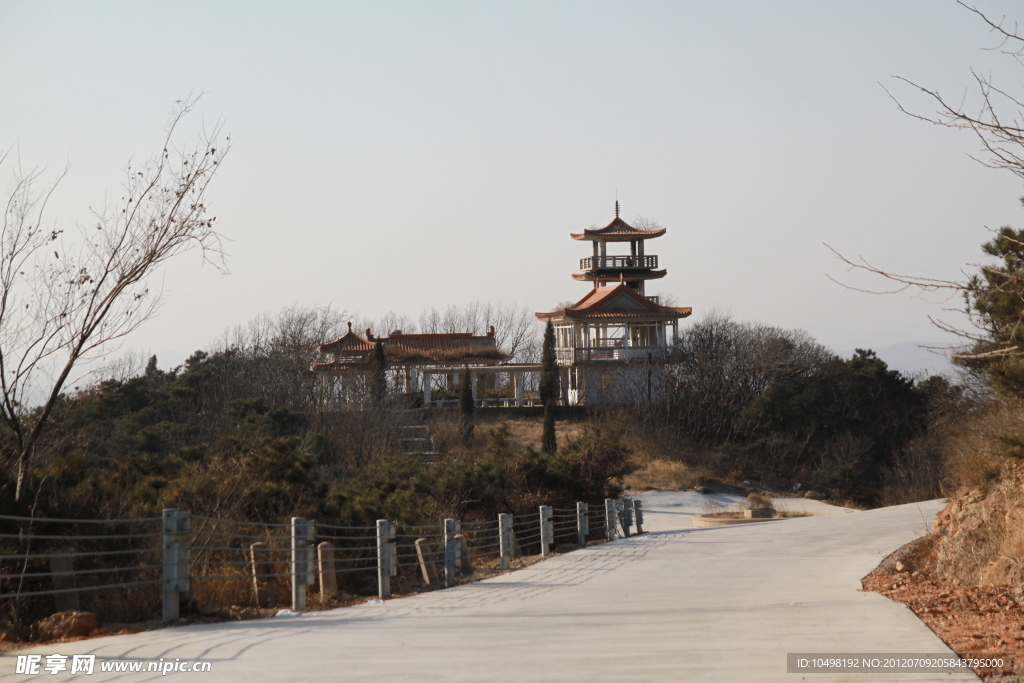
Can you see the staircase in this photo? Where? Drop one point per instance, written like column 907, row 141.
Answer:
column 413, row 437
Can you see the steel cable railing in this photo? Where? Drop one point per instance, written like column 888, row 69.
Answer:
column 252, row 562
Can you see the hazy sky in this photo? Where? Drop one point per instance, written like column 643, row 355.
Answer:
column 397, row 155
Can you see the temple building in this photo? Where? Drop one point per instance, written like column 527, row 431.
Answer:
column 612, row 345
column 427, row 366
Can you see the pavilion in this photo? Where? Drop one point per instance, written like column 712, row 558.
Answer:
column 612, row 345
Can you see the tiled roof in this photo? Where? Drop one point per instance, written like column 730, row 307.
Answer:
column 664, row 312
column 350, row 343
column 414, row 348
column 442, row 347
column 594, row 305
column 447, row 341
column 618, row 229
column 324, row 367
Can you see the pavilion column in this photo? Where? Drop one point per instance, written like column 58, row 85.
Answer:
column 473, row 382
column 427, row 377
column 517, row 379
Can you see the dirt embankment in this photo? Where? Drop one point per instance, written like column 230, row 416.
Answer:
column 965, row 580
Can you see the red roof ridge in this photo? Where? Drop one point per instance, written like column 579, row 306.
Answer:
column 594, row 301
column 617, row 227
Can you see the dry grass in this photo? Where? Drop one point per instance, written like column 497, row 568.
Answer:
column 663, row 475
column 756, row 501
column 979, row 537
column 529, row 430
column 976, row 454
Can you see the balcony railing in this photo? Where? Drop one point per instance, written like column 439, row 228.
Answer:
column 639, row 262
column 610, row 352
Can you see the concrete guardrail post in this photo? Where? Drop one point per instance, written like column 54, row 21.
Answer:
column 546, row 530
column 582, row 523
column 638, row 514
column 625, row 507
column 609, row 518
column 302, row 571
column 176, row 567
column 427, row 565
column 387, row 560
column 262, row 585
column 505, row 538
column 452, row 550
column 62, row 575
column 328, row 577
column 465, row 559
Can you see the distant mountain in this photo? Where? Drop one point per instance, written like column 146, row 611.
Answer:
column 912, row 358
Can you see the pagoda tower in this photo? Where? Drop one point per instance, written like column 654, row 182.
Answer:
column 612, row 345
column 634, row 269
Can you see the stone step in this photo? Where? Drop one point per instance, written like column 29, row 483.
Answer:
column 417, row 445
column 412, row 429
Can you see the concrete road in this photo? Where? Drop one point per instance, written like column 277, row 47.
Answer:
column 675, row 604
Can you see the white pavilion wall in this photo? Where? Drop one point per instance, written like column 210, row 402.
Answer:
column 621, row 383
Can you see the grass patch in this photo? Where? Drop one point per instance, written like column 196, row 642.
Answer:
column 664, row 475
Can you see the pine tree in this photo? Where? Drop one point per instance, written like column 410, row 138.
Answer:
column 549, row 388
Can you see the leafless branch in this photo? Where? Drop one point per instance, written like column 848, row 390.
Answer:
column 68, row 296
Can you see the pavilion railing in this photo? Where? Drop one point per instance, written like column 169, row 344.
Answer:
column 645, row 261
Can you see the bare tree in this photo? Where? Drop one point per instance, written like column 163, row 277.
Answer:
column 274, row 352
column 722, row 365
column 69, row 296
column 515, row 329
column 997, row 119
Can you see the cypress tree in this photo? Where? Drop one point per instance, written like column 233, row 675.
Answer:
column 466, row 406
column 378, row 374
column 549, row 388
column 548, row 367
column 547, row 442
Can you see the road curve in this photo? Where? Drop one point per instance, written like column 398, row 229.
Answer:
column 674, row 604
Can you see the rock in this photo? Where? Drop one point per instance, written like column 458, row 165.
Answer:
column 814, row 495
column 7, row 637
column 905, row 566
column 67, row 625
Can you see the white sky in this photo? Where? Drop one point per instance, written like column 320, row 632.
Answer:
column 392, row 156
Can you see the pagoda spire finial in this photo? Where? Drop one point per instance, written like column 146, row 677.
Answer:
column 616, row 208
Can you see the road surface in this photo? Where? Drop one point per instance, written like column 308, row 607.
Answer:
column 674, row 604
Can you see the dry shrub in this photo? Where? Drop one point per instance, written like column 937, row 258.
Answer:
column 917, row 471
column 977, row 451
column 979, row 537
column 755, row 501
column 215, row 587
